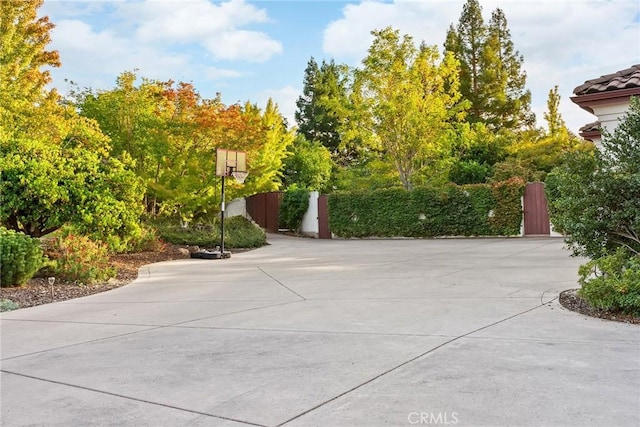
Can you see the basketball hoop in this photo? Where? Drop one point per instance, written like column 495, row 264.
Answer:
column 240, row 176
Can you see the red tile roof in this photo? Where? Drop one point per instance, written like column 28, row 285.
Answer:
column 623, row 79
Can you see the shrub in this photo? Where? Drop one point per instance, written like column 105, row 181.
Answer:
column 239, row 233
column 148, row 241
column 20, row 257
column 295, row 203
column 79, row 259
column 612, row 282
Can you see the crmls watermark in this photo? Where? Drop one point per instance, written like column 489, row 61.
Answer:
column 433, row 418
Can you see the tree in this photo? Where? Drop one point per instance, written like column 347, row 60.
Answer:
column 268, row 159
column 319, row 114
column 596, row 199
column 491, row 75
column 23, row 39
column 542, row 151
column 56, row 167
column 308, row 166
column 467, row 44
column 555, row 123
column 510, row 104
column 173, row 133
column 403, row 91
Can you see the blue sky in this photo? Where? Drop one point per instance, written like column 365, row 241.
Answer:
column 254, row 50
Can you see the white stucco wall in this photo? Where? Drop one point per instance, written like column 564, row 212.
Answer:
column 310, row 220
column 237, row 207
column 609, row 114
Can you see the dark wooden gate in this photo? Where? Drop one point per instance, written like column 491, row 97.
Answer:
column 263, row 208
column 323, row 217
column 536, row 213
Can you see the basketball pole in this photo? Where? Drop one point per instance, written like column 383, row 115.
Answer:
column 222, row 254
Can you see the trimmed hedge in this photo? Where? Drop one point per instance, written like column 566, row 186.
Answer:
column 469, row 210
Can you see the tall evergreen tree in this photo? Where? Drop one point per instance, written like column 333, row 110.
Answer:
column 467, row 44
column 318, row 115
column 510, row 105
column 491, row 75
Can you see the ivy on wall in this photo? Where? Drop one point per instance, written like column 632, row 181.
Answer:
column 469, row 210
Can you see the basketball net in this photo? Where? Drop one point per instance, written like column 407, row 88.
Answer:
column 240, row 176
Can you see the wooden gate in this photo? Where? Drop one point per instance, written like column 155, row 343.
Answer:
column 536, row 214
column 323, row 217
column 263, row 208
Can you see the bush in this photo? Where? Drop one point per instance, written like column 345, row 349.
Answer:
column 148, row 241
column 612, row 283
column 469, row 172
column 79, row 259
column 239, row 232
column 295, row 203
column 478, row 209
column 20, row 257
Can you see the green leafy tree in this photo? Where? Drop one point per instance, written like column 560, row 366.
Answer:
column 544, row 150
column 268, row 159
column 309, row 165
column 596, row 199
column 407, row 97
column 56, row 167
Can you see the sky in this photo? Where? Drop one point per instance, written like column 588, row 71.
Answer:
column 255, row 50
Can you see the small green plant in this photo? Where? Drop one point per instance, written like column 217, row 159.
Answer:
column 612, row 282
column 295, row 203
column 8, row 305
column 79, row 259
column 20, row 257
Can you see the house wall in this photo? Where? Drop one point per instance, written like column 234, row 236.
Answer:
column 609, row 114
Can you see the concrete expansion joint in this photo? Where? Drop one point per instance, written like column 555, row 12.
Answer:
column 405, row 363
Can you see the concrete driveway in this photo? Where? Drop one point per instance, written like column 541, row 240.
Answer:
column 328, row 333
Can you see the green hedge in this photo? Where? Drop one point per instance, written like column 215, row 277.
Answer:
column 469, row 210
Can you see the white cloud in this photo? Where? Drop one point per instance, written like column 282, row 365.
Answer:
column 86, row 52
column 219, row 28
column 285, row 97
column 247, row 45
column 563, row 42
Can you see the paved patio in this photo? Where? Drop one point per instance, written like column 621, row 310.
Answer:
column 328, row 333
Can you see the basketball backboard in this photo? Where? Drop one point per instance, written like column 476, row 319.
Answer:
column 228, row 161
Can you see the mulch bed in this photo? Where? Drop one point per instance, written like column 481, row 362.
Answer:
column 570, row 300
column 37, row 291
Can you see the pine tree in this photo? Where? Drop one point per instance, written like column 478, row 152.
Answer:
column 318, row 115
column 510, row 105
column 467, row 44
column 491, row 75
